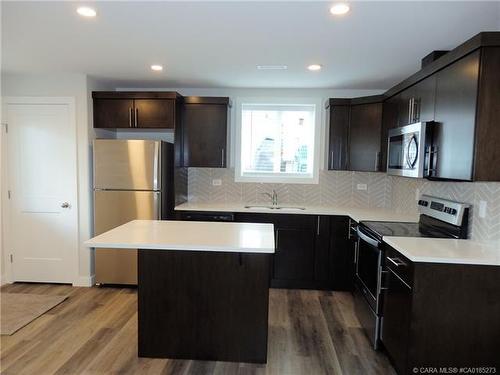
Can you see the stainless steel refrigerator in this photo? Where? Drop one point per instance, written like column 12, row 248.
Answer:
column 133, row 179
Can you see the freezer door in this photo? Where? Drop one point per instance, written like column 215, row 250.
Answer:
column 114, row 208
column 127, row 164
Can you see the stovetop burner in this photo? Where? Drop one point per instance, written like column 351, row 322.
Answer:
column 389, row 228
column 439, row 218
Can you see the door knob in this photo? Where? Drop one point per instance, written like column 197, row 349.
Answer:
column 65, row 205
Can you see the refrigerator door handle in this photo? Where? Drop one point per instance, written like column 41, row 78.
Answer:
column 156, row 166
column 157, row 205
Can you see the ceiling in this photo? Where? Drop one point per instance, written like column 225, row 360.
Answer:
column 219, row 44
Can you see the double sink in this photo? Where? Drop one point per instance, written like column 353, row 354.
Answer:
column 275, row 207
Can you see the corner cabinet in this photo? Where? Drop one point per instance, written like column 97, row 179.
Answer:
column 338, row 112
column 364, row 137
column 131, row 110
column 204, row 131
column 355, row 134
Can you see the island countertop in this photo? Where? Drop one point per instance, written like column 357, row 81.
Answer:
column 189, row 236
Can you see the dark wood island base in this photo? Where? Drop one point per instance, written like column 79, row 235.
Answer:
column 203, row 305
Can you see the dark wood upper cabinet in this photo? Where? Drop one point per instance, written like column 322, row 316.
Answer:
column 355, row 134
column 364, row 137
column 145, row 110
column 339, row 112
column 416, row 103
column 204, row 127
column 154, row 113
column 424, row 94
column 113, row 113
column 453, row 134
column 487, row 134
column 390, row 112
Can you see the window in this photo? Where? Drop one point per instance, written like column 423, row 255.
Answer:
column 277, row 141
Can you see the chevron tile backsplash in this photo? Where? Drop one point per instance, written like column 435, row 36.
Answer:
column 334, row 188
column 340, row 188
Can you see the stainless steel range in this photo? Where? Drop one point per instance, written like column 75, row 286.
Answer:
column 439, row 218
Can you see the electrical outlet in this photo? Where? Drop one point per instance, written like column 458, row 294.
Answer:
column 362, row 186
column 483, row 206
column 216, row 182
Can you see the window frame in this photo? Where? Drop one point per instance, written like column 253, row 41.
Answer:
column 265, row 177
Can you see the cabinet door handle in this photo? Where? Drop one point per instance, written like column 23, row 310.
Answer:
column 130, row 117
column 317, row 225
column 409, row 111
column 222, row 158
column 136, row 116
column 417, row 109
column 331, row 159
column 396, row 261
column 377, row 159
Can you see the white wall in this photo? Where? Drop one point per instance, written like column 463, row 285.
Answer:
column 73, row 85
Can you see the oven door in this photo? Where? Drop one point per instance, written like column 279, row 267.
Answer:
column 406, row 153
column 368, row 269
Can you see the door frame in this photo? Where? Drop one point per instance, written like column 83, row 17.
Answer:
column 5, row 183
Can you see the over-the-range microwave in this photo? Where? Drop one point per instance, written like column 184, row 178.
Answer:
column 410, row 151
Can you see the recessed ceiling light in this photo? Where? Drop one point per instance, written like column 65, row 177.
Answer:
column 272, row 67
column 314, row 67
column 339, row 9
column 157, row 68
column 86, row 12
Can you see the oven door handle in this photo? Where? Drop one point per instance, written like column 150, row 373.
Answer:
column 367, row 239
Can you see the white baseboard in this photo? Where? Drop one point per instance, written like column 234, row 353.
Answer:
column 3, row 280
column 86, row 281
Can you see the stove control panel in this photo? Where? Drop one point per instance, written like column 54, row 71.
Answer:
column 443, row 209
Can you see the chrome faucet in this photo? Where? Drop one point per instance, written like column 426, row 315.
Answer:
column 273, row 196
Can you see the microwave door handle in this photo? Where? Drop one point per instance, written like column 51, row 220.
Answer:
column 409, row 111
column 367, row 239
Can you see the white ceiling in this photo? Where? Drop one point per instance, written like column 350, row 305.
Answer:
column 219, row 44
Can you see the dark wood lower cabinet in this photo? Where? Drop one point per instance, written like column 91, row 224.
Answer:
column 396, row 323
column 294, row 261
column 341, row 254
column 203, row 305
column 441, row 315
column 294, row 257
column 312, row 251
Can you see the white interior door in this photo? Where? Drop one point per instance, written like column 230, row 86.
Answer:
column 43, row 222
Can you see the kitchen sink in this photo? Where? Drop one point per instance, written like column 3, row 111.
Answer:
column 290, row 208
column 287, row 208
column 261, row 207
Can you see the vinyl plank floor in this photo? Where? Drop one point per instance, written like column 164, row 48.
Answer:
column 95, row 332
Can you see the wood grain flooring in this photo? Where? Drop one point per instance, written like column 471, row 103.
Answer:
column 95, row 332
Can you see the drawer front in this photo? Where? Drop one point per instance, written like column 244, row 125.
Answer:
column 400, row 265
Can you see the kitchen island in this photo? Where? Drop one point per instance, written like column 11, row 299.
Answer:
column 203, row 287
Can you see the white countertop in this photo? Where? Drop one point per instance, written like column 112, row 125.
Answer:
column 443, row 250
column 188, row 235
column 357, row 214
